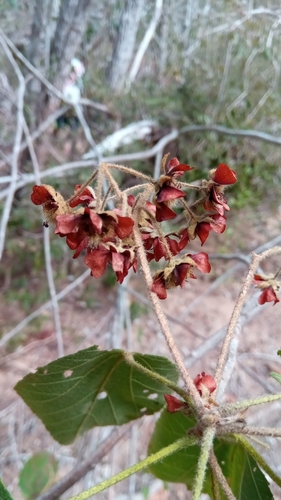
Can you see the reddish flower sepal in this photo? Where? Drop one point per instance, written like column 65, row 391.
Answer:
column 157, row 247
column 173, row 403
column 178, row 271
column 87, row 197
column 121, row 259
column 214, row 188
column 223, row 175
column 163, row 212
column 52, row 202
column 166, row 188
column 216, row 201
column 269, row 286
column 201, row 260
column 175, row 168
column 205, row 384
column 203, row 228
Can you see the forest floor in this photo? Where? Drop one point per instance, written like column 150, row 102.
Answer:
column 203, row 310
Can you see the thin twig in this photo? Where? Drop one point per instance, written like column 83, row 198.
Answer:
column 165, row 327
column 44, row 80
column 16, row 149
column 86, row 129
column 52, row 289
column 256, row 259
column 149, row 34
column 129, row 170
column 47, row 252
column 251, row 134
column 43, row 308
column 144, row 155
column 42, row 127
column 81, row 469
column 206, row 447
column 261, row 431
column 170, row 317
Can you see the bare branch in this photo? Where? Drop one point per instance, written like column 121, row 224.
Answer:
column 145, row 43
column 42, row 308
column 16, row 149
column 165, row 327
column 47, row 252
column 142, row 155
column 44, row 80
column 256, row 259
column 81, row 469
column 250, row 134
column 44, row 125
column 52, row 289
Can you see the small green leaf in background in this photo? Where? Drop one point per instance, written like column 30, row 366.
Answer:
column 94, row 388
column 38, row 474
column 243, row 474
column 277, row 376
column 4, row 494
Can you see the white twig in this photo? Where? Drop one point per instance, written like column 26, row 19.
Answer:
column 42, row 308
column 223, row 80
column 16, row 149
column 86, row 128
column 261, row 102
column 52, row 289
column 44, row 125
column 59, row 170
column 44, row 80
column 47, row 251
column 145, row 43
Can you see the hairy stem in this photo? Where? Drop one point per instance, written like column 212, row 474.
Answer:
column 129, row 357
column 165, row 327
column 75, row 195
column 233, row 408
column 218, row 474
column 130, row 171
column 99, row 186
column 261, row 431
column 206, row 446
column 215, row 484
column 152, row 459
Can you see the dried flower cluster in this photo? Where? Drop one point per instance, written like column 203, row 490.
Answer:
column 107, row 236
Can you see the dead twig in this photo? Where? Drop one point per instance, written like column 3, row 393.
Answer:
column 16, row 149
column 256, row 259
column 87, row 465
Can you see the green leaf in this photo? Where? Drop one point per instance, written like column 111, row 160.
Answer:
column 37, row 475
column 277, row 376
column 181, row 466
column 247, row 481
column 4, row 494
column 94, row 388
column 242, row 472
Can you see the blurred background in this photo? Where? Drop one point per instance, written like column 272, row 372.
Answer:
column 126, row 82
